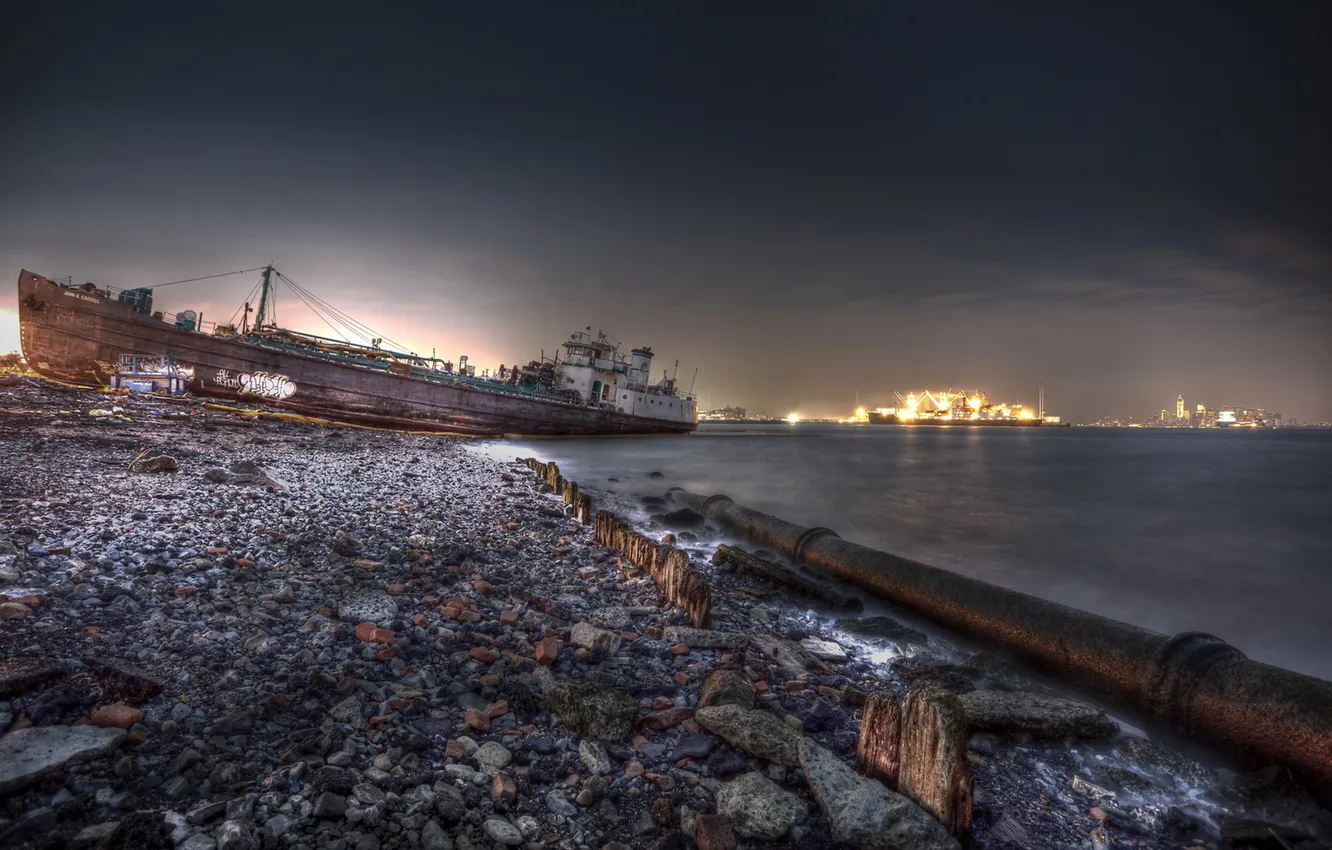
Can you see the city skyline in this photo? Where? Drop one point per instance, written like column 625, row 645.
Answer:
column 1115, row 202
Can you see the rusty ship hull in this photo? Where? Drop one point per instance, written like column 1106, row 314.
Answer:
column 78, row 336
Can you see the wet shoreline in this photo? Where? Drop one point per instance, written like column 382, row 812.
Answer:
column 242, row 583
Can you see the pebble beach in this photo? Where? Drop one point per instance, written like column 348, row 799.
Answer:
column 224, row 630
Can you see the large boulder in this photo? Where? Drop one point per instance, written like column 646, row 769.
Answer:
column 727, row 686
column 1036, row 714
column 26, row 754
column 593, row 710
column 864, row 813
column 757, row 808
column 759, row 733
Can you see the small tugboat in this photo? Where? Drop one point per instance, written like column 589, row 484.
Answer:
column 94, row 335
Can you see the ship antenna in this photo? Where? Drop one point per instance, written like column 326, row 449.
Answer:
column 691, row 382
column 263, row 298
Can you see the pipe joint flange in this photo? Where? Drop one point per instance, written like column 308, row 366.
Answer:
column 798, row 550
column 703, row 508
column 1177, row 666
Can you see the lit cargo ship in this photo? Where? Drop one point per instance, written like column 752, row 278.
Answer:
column 954, row 407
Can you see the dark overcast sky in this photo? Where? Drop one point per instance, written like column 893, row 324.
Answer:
column 1126, row 202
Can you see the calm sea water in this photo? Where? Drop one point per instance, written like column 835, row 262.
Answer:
column 1227, row 532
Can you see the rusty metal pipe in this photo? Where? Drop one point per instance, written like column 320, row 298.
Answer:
column 1200, row 684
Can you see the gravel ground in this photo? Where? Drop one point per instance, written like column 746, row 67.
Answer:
column 319, row 637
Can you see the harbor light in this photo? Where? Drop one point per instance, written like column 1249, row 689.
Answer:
column 1026, row 414
column 793, row 418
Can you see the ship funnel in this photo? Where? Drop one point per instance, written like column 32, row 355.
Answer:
column 640, row 367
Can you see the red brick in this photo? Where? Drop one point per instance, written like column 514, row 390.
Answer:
column 483, row 587
column 659, row 721
column 547, row 650
column 681, row 678
column 713, row 832
column 418, row 619
column 497, row 709
column 482, row 654
column 477, row 720
column 662, row 703
column 503, row 788
column 454, row 750
column 508, row 618
column 680, row 649
column 370, row 633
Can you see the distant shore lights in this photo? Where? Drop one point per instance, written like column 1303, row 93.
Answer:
column 793, row 418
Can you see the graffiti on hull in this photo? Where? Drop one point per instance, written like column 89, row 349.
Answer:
column 263, row 384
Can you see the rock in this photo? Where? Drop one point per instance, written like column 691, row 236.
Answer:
column 757, row 808
column 116, row 716
column 20, row 675
column 683, row 518
column 713, row 832
column 692, row 746
column 25, row 754
column 610, row 617
column 589, row 636
column 122, row 682
column 503, row 832
column 141, row 830
column 493, row 757
column 160, row 463
column 825, row 650
column 450, row 804
column 89, row 836
column 864, row 813
column 433, row 837
column 759, row 733
column 882, row 627
column 14, row 611
column 1090, row 789
column 367, row 605
column 705, row 638
column 594, row 757
column 330, row 806
column 1035, row 714
column 350, row 711
column 548, row 650
column 593, row 710
column 727, row 687
column 198, row 841
column 235, row 835
column 934, row 770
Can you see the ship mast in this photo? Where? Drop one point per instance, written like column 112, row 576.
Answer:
column 263, row 298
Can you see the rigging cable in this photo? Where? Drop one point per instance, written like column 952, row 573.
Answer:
column 209, row 277
column 360, row 328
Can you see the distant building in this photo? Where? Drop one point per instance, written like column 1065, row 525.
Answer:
column 725, row 414
column 1179, row 408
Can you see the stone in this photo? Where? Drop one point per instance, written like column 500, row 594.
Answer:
column 825, row 650
column 433, row 837
column 143, row 830
column 367, row 605
column 14, row 611
column 692, row 746
column 713, row 832
column 1038, row 715
column 705, row 638
column 235, row 835
column 727, row 687
column 116, row 716
column 590, row 637
column 450, row 804
column 330, row 806
column 89, row 836
column 503, row 788
column 594, row 757
column 350, row 711
column 160, row 463
column 934, row 770
column 659, row 721
column 26, row 754
column 503, row 832
column 493, row 757
column 864, row 813
column 593, row 710
column 759, row 733
column 757, row 808
column 883, row 627
column 198, row 841
column 482, row 654
column 20, row 675
column 123, row 683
